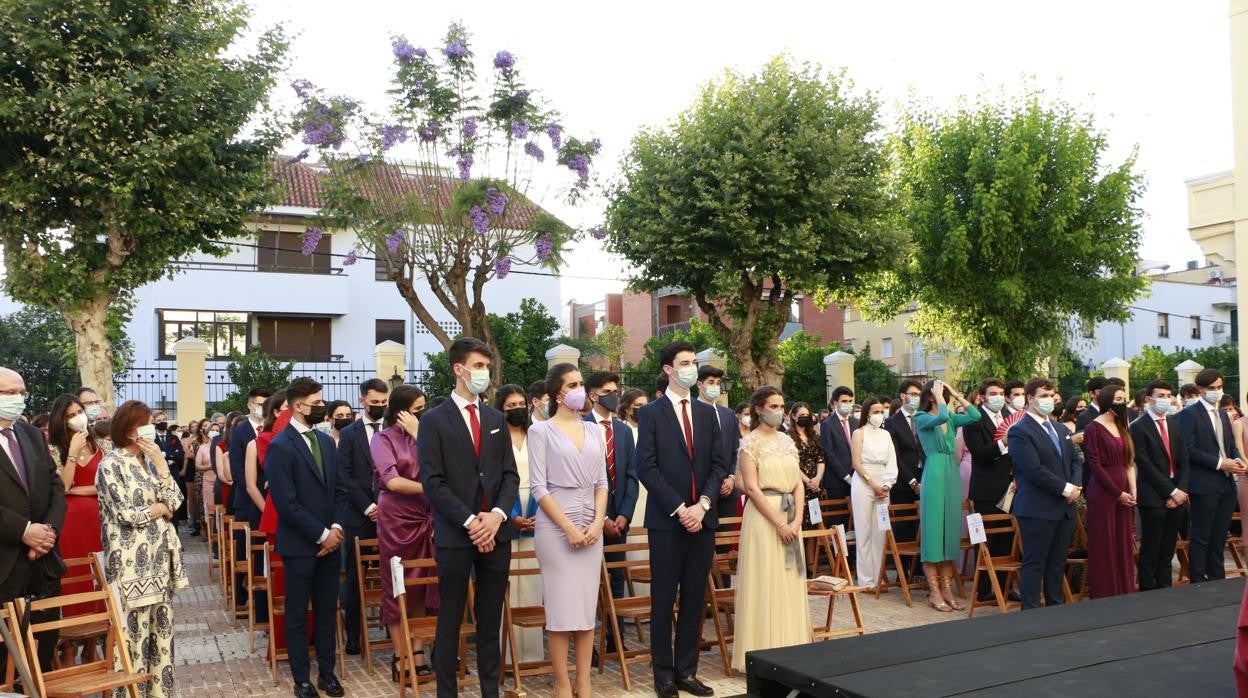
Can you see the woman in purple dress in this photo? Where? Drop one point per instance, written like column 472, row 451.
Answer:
column 404, row 518
column 1109, row 452
column 568, row 479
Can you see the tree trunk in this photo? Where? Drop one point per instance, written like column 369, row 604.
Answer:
column 88, row 321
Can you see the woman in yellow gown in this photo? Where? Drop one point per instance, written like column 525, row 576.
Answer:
column 771, row 605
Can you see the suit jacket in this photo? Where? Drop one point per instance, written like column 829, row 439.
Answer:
column 1086, row 417
column 837, row 455
column 357, row 470
column 175, row 455
column 991, row 470
column 730, row 437
column 1042, row 472
column 622, row 501
column 1201, row 442
column 242, row 435
column 1152, row 463
column 43, row 501
column 455, row 478
column 910, row 456
column 664, row 467
column 307, row 504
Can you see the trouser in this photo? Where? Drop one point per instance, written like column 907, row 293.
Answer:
column 490, row 572
column 679, row 564
column 998, row 545
column 869, row 537
column 351, row 590
column 1045, row 544
column 315, row 579
column 1211, row 519
column 1159, row 532
column 149, row 640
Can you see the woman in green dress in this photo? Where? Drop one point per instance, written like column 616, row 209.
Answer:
column 940, row 509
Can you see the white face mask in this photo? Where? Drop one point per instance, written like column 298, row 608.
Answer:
column 478, row 380
column 12, row 406
column 324, row 426
column 772, row 418
column 876, row 420
column 1044, row 406
column 258, row 412
column 1018, row 402
column 995, row 402
column 78, row 422
column 912, row 403
column 711, row 392
column 845, row 408
column 745, row 419
column 1161, row 406
column 1212, row 396
column 686, row 376
column 94, row 411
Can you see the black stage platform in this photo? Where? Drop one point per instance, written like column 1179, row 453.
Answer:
column 1177, row 642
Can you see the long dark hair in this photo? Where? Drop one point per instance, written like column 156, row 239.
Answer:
column 1104, row 400
column 401, row 400
column 758, row 400
column 626, row 400
column 59, row 433
column 927, row 399
column 231, row 420
column 1070, row 414
column 271, row 409
column 507, row 391
column 554, row 383
column 808, row 431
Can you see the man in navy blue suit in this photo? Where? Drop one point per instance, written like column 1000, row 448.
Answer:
column 306, row 483
column 680, row 460
column 603, row 388
column 1215, row 463
column 1048, row 473
column 470, row 477
column 243, row 434
column 710, row 387
column 354, row 449
column 835, row 433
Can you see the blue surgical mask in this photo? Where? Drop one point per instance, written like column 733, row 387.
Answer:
column 12, row 406
column 711, row 392
column 478, row 380
column 845, row 408
column 1044, row 406
column 1212, row 396
column 912, row 403
column 995, row 402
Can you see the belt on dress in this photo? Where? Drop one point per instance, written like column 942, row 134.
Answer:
column 793, row 550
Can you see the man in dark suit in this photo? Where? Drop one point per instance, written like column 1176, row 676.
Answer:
column 1047, row 470
column 361, row 520
column 910, row 458
column 992, row 471
column 32, row 511
column 710, row 387
column 834, row 435
column 175, row 456
column 680, row 460
column 308, row 489
column 243, row 434
column 1091, row 412
column 1215, row 460
column 1163, row 476
column 470, row 477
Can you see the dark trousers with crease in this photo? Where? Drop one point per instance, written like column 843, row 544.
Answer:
column 312, row 579
column 489, row 572
column 1159, row 533
column 679, row 564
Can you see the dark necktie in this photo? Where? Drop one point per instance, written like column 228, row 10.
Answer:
column 610, row 454
column 314, row 445
column 688, row 427
column 1165, row 441
column 16, row 449
column 1057, row 443
column 476, row 448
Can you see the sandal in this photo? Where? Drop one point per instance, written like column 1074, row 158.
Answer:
column 933, row 591
column 946, row 584
column 422, row 669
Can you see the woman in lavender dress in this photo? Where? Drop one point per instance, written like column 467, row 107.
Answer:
column 568, row 479
column 404, row 518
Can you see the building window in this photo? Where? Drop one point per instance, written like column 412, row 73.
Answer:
column 1195, row 327
column 1163, row 325
column 390, row 330
column 886, row 348
column 849, row 314
column 297, row 338
column 222, row 331
column 795, row 311
column 283, row 252
column 1088, row 327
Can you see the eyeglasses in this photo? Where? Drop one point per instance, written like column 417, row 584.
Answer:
column 14, row 391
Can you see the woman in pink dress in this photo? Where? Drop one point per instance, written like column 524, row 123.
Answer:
column 78, row 458
column 404, row 518
column 1110, row 454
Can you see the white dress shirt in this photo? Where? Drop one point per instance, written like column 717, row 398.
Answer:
column 680, row 420
column 303, row 429
column 463, row 404
column 371, row 429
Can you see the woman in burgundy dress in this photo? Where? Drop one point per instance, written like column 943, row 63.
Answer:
column 404, row 517
column 77, row 458
column 1110, row 454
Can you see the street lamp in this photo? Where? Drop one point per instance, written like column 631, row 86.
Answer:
column 396, row 380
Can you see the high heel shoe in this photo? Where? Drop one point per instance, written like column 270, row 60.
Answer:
column 933, row 593
column 946, row 584
column 422, row 669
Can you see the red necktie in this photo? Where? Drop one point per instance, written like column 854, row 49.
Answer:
column 684, row 418
column 1165, row 441
column 610, row 453
column 476, row 446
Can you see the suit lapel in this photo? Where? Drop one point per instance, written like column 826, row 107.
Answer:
column 9, row 468
column 461, row 429
column 668, row 414
column 304, row 450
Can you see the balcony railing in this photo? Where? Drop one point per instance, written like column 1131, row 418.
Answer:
column 674, row 327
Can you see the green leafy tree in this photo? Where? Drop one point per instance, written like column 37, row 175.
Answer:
column 1007, row 203
column 1071, row 374
column 1153, row 362
column 769, row 186
column 873, row 378
column 610, row 345
column 122, row 123
column 522, row 338
column 701, row 336
column 251, row 371
column 805, row 377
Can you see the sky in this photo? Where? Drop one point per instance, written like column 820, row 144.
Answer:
column 1155, row 74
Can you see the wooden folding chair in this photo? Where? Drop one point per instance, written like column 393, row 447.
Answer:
column 996, row 525
column 721, row 596
column 237, row 577
column 224, row 565
column 1234, row 545
column 1077, row 557
column 16, row 665
column 525, row 617
column 1181, row 548
column 895, row 549
column 425, row 629
column 834, row 539
column 277, row 607
column 81, row 679
column 368, row 574
column 87, row 635
column 831, row 511
column 256, row 582
column 632, row 607
column 212, row 525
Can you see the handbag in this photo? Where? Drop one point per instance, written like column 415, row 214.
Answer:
column 51, row 565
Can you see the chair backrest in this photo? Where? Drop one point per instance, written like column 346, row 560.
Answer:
column 1001, row 525
column 112, row 640
column 626, row 564
column 367, row 565
column 519, row 569
column 902, row 513
column 836, row 508
column 16, row 664
column 830, row 539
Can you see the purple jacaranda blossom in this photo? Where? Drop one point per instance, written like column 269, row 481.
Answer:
column 503, row 60
column 429, row 131
column 363, row 158
column 480, row 221
column 520, row 129
column 394, row 239
column 350, row 259
column 391, row 136
column 598, row 232
column 580, row 165
column 456, row 49
column 496, row 201
column 544, row 247
column 595, row 146
column 311, row 238
column 502, row 267
column 464, row 163
column 303, row 155
column 303, row 88
column 317, row 134
column 403, row 50
column 421, row 53
column 470, row 127
column 555, row 131
column 534, row 151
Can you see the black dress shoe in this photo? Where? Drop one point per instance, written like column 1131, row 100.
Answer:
column 330, row 685
column 352, row 647
column 666, row 689
column 694, row 686
column 306, row 690
column 1014, row 596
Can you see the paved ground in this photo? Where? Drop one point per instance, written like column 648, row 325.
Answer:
column 213, row 658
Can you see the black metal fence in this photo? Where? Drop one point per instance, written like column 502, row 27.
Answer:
column 154, row 384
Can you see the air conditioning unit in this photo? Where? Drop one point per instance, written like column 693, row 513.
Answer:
column 1219, row 328
column 1215, row 273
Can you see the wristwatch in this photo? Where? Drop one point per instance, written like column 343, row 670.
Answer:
column 704, row 503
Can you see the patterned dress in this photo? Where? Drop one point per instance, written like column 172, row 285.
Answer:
column 809, row 456
column 143, row 561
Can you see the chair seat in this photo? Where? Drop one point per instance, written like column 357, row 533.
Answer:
column 84, row 632
column 838, row 592
column 100, row 678
column 634, row 607
column 529, row 616
column 1002, row 565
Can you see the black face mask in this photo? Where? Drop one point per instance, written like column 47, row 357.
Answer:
column 343, row 423
column 518, row 416
column 376, row 412
column 317, row 414
column 610, row 403
column 162, row 426
column 805, row 421
column 418, row 413
column 1119, row 408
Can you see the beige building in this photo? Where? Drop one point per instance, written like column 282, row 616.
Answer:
column 1239, row 117
column 894, row 344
